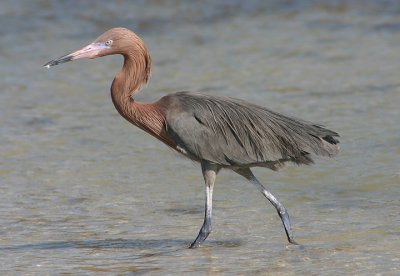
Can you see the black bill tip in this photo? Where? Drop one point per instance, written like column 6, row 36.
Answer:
column 58, row 61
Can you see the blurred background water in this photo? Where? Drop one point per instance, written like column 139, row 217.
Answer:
column 82, row 191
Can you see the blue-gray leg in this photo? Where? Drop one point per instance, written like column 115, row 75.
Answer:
column 209, row 173
column 282, row 212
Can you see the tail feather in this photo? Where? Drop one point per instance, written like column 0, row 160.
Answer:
column 324, row 143
column 328, row 144
column 330, row 139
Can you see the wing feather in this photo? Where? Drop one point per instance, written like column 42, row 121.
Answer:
column 232, row 132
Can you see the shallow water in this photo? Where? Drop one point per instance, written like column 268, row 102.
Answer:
column 82, row 191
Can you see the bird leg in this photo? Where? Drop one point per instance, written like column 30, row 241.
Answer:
column 209, row 173
column 282, row 212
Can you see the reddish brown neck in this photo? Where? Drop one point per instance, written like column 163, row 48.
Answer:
column 149, row 117
column 125, row 85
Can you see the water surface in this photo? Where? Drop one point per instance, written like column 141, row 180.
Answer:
column 82, row 191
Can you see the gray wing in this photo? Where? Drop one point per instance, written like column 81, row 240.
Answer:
column 231, row 132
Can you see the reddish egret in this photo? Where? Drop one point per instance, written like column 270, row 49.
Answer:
column 217, row 132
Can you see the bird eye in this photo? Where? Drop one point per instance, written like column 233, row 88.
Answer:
column 108, row 42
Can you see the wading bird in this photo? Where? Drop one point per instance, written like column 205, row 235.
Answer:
column 217, row 132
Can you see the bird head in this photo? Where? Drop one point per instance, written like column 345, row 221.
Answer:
column 114, row 41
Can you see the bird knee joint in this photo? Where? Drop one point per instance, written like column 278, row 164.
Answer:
column 282, row 211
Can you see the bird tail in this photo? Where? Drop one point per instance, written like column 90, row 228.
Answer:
column 323, row 142
column 329, row 145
